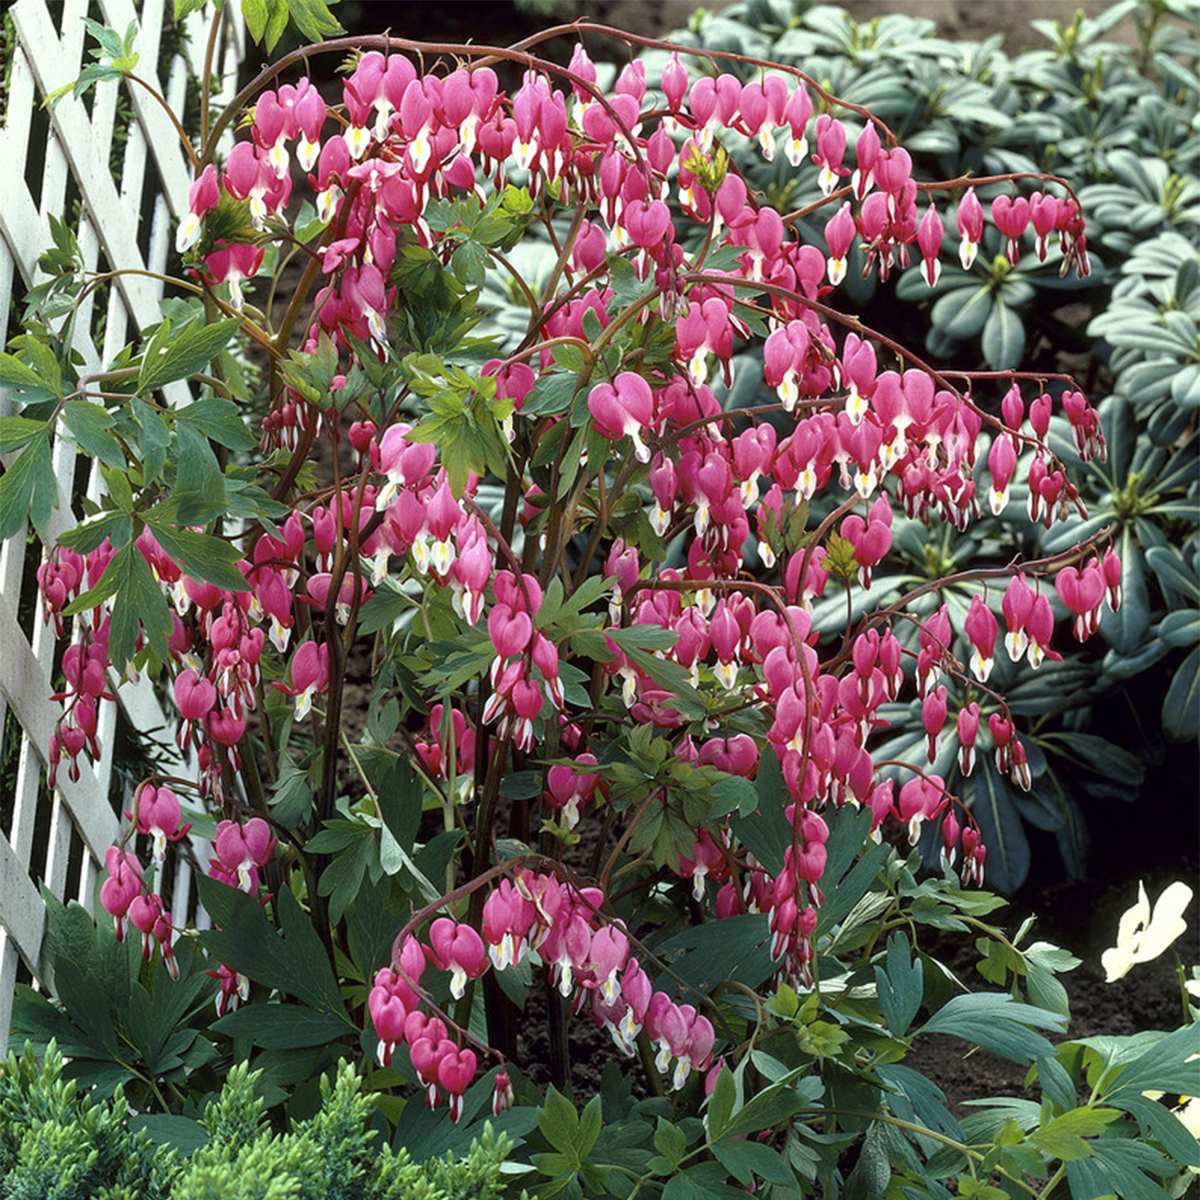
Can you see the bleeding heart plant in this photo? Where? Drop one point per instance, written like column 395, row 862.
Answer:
column 572, row 564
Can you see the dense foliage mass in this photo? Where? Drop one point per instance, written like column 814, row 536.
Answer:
column 582, row 560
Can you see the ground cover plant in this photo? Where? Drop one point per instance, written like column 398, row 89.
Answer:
column 609, row 776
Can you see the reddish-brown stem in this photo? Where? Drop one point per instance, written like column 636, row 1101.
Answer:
column 623, row 841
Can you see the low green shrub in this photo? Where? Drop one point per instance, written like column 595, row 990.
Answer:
column 58, row 1143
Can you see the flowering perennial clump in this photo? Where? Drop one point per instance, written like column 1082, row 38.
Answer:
column 655, row 561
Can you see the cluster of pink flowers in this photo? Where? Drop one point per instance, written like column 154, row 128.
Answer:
column 589, row 961
column 438, row 1061
column 239, row 853
column 898, row 437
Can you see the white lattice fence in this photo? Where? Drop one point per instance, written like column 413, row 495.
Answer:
column 125, row 219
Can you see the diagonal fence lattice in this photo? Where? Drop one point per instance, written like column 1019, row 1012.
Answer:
column 112, row 167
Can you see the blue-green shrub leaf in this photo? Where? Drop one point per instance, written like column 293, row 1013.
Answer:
column 1003, row 341
column 1181, row 708
column 962, row 313
column 1172, row 572
column 1125, row 629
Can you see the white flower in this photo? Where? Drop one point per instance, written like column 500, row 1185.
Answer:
column 1142, row 935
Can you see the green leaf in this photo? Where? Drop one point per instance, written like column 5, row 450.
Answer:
column 371, row 924
column 995, row 1021
column 24, row 382
column 343, row 877
column 199, row 493
column 255, row 14
column 221, row 420
column 551, row 395
column 401, row 795
column 90, row 424
column 293, row 961
column 1057, row 1083
column 138, row 601
column 872, row 1172
column 154, row 440
column 671, row 1143
column 16, row 431
column 1163, row 1126
column 29, row 488
column 745, row 1159
column 1003, row 342
column 1064, row 1136
column 912, row 1097
column 590, row 1122
column 766, row 833
column 281, row 1026
column 994, row 808
column 842, row 896
column 704, row 1181
column 1163, row 1067
column 900, row 986
column 1044, row 990
column 120, row 492
column 1120, row 1167
column 170, row 358
column 976, row 1189
column 773, row 1105
column 292, row 799
column 117, row 527
column 559, row 1122
column 721, row 1102
column 314, row 20
column 200, row 556
column 667, row 674
column 732, row 792
column 167, row 1129
column 277, row 24
column 644, row 637
column 522, row 785
column 735, row 948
